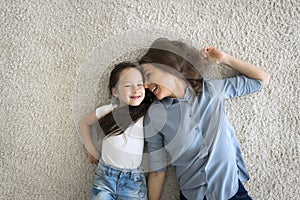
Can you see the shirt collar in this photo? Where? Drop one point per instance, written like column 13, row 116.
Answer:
column 188, row 96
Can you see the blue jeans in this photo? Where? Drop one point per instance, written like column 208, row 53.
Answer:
column 115, row 183
column 241, row 194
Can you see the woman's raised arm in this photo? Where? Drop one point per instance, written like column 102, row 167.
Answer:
column 219, row 57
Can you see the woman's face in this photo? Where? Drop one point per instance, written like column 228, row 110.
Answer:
column 130, row 88
column 161, row 83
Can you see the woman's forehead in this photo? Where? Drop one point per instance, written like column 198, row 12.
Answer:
column 147, row 66
column 159, row 68
column 151, row 67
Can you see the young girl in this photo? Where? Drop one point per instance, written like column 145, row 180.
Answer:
column 119, row 174
column 188, row 121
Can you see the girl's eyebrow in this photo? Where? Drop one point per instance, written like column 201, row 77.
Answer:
column 131, row 81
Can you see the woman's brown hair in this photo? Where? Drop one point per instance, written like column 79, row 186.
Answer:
column 118, row 120
column 179, row 56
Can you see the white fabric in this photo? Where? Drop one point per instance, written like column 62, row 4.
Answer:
column 103, row 110
column 125, row 150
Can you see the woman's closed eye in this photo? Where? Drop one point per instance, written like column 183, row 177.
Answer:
column 147, row 75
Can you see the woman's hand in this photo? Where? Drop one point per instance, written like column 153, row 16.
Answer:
column 92, row 158
column 213, row 55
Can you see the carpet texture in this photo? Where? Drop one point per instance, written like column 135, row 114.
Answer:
column 55, row 58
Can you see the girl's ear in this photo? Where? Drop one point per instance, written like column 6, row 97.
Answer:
column 114, row 92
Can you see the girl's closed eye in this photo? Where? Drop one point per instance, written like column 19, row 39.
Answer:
column 140, row 84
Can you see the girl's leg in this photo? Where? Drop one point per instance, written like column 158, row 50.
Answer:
column 132, row 186
column 104, row 186
column 98, row 194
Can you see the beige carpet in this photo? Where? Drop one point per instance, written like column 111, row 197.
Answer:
column 56, row 54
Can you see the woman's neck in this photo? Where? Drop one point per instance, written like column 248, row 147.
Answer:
column 181, row 86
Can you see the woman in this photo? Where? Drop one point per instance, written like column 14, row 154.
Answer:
column 188, row 120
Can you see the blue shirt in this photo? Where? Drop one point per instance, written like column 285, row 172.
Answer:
column 194, row 135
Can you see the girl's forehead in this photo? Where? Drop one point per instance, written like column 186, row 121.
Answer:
column 129, row 71
column 130, row 74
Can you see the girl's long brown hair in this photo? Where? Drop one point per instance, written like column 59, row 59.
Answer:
column 179, row 56
column 118, row 120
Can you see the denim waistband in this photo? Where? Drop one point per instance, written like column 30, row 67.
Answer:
column 112, row 169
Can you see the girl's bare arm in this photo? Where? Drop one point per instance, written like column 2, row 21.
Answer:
column 85, row 130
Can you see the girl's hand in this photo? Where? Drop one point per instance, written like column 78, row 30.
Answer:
column 92, row 158
column 212, row 55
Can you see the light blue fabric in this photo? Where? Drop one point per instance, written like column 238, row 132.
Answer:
column 194, row 135
column 115, row 183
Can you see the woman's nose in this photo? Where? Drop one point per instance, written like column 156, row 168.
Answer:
column 146, row 85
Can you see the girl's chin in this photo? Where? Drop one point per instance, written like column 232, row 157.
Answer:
column 135, row 103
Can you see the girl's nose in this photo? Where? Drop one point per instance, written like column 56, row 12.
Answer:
column 136, row 88
column 146, row 85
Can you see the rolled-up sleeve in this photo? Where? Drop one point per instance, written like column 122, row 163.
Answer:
column 237, row 86
column 153, row 122
column 241, row 85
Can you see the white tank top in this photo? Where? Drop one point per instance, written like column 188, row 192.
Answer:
column 125, row 150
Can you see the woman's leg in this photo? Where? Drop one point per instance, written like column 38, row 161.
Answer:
column 182, row 197
column 242, row 193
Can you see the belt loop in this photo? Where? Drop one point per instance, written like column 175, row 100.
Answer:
column 109, row 171
column 132, row 175
column 106, row 170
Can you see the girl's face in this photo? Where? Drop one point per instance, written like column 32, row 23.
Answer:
column 161, row 83
column 130, row 88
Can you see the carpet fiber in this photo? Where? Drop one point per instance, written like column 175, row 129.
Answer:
column 55, row 58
